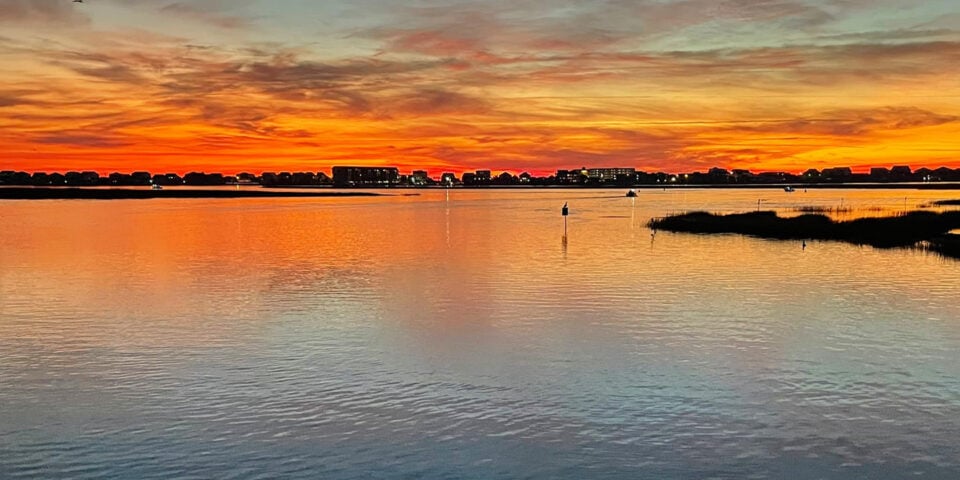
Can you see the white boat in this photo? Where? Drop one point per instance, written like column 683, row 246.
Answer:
column 789, row 189
column 632, row 193
column 156, row 187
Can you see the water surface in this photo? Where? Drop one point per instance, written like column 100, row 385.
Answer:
column 461, row 337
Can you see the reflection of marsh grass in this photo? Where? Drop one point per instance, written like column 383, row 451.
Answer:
column 838, row 210
column 948, row 245
column 819, row 209
column 901, row 230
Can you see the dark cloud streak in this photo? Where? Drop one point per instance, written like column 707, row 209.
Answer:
column 56, row 12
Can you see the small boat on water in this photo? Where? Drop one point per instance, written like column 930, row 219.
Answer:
column 789, row 189
column 156, row 187
column 632, row 193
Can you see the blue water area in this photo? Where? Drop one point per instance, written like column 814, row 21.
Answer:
column 462, row 336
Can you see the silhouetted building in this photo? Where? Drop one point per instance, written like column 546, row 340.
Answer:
column 901, row 173
column 506, row 178
column 742, row 176
column 923, row 174
column 167, row 179
column 201, row 178
column 389, row 176
column 609, row 174
column 771, row 177
column 52, row 179
column 10, row 177
column 140, row 178
column 420, row 178
column 697, row 178
column 365, row 176
column 82, row 179
column 39, row 178
column 245, row 177
column 837, row 174
column 572, row 177
column 478, row 178
column 944, row 173
column 650, row 178
column 448, row 179
column 303, row 178
column 879, row 174
column 719, row 175
column 811, row 175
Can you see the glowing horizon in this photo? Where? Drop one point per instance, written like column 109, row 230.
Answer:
column 659, row 85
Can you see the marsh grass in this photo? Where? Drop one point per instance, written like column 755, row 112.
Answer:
column 899, row 230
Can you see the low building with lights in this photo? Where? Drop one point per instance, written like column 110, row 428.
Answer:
column 365, row 176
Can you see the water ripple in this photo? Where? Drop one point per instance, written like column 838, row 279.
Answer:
column 431, row 339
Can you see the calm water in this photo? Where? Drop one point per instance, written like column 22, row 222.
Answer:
column 421, row 337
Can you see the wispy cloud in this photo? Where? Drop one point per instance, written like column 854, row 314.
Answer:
column 208, row 15
column 845, row 123
column 40, row 12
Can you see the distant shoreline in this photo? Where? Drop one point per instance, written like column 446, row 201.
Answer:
column 731, row 186
column 70, row 193
column 287, row 191
column 648, row 186
column 815, row 186
column 662, row 186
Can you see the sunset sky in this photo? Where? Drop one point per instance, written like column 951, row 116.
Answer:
column 519, row 85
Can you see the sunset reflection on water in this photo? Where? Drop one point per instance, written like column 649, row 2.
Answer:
column 456, row 334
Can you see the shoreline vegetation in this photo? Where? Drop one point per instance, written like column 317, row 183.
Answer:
column 905, row 230
column 47, row 193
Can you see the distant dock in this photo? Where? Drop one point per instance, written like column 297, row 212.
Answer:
column 41, row 193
